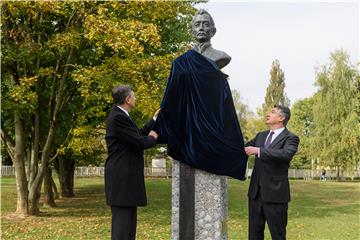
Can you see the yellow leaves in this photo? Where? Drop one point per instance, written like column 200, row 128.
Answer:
column 31, row 11
column 153, row 10
column 91, row 82
column 28, row 82
column 61, row 150
column 22, row 93
column 102, row 10
column 61, row 40
column 46, row 71
column 16, row 8
column 18, row 94
column 22, row 96
column 48, row 5
column 121, row 35
column 85, row 141
column 80, row 131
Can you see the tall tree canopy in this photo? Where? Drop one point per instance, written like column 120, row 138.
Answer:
column 275, row 92
column 60, row 61
column 336, row 140
column 302, row 124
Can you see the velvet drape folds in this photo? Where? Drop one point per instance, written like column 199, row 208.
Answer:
column 198, row 120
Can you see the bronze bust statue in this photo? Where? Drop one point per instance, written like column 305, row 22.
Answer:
column 203, row 29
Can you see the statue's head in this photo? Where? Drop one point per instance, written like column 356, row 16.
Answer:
column 203, row 26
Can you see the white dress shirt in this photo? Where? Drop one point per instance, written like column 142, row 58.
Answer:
column 276, row 133
column 126, row 112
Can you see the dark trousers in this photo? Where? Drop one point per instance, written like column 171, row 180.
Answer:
column 275, row 214
column 123, row 223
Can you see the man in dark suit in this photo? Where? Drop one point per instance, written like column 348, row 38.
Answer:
column 269, row 191
column 124, row 167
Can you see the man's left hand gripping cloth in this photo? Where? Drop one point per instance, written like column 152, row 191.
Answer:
column 198, row 119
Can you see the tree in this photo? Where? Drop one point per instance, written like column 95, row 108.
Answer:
column 274, row 95
column 275, row 92
column 336, row 140
column 146, row 69
column 302, row 124
column 60, row 60
column 243, row 112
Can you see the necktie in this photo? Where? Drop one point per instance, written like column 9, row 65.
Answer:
column 268, row 140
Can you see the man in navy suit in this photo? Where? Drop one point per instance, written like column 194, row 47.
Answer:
column 124, row 167
column 269, row 191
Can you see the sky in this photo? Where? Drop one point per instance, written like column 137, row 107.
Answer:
column 300, row 34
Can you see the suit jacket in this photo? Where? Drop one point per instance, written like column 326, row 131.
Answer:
column 270, row 173
column 124, row 167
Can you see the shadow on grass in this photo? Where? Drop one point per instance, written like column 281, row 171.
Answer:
column 89, row 201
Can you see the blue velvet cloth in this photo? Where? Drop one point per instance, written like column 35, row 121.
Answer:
column 198, row 119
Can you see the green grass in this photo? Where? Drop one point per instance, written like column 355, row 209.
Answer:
column 318, row 210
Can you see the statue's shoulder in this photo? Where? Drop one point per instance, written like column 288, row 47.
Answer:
column 218, row 53
column 220, row 57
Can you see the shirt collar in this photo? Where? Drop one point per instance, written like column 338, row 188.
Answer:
column 277, row 131
column 126, row 112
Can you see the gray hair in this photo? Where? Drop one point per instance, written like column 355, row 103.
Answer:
column 202, row 12
column 284, row 112
column 119, row 94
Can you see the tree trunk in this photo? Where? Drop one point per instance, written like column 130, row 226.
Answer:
column 338, row 173
column 65, row 170
column 34, row 150
column 34, row 187
column 22, row 206
column 56, row 103
column 34, row 181
column 27, row 164
column 54, row 188
column 48, row 189
column 34, row 194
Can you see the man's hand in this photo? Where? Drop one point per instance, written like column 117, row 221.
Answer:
column 252, row 150
column 156, row 114
column 154, row 134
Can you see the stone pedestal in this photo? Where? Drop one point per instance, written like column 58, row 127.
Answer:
column 199, row 204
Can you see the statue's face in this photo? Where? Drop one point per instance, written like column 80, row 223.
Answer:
column 202, row 29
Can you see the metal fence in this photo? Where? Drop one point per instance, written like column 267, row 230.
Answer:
column 98, row 171
column 7, row 171
column 89, row 171
column 166, row 172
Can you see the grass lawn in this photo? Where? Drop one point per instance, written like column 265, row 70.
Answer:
column 318, row 210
